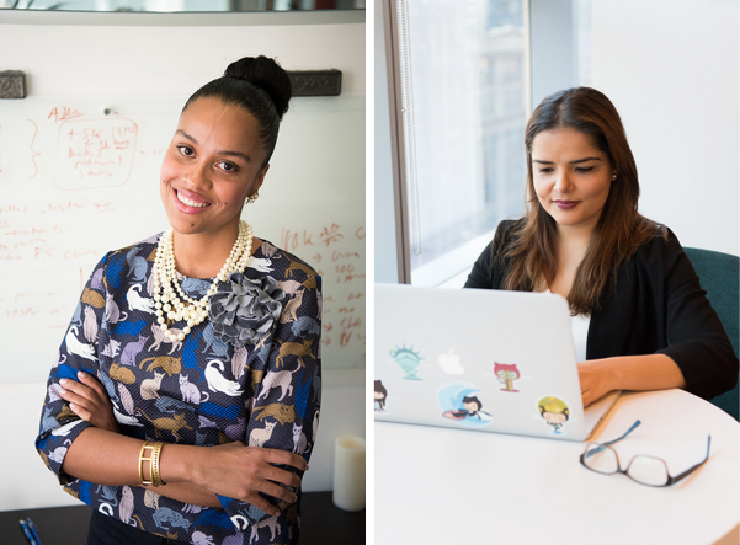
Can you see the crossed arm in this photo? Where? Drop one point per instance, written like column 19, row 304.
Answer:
column 193, row 474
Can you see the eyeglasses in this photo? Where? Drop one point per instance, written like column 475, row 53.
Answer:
column 647, row 470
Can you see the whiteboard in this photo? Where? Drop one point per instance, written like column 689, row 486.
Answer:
column 76, row 183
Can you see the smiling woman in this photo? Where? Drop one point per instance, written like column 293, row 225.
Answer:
column 582, row 189
column 212, row 166
column 185, row 401
column 648, row 324
column 571, row 178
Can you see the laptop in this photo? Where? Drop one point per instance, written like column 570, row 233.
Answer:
column 480, row 360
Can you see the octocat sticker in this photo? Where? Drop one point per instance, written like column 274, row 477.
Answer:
column 506, row 374
column 464, row 403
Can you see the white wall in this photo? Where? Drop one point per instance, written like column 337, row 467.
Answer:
column 671, row 69
column 25, row 482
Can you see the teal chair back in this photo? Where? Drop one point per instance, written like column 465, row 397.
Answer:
column 719, row 274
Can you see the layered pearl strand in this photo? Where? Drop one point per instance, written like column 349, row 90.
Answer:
column 171, row 303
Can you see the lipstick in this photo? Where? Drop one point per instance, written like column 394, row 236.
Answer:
column 565, row 205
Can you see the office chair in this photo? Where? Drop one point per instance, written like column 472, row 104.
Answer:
column 719, row 275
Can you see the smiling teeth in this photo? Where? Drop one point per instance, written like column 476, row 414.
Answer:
column 185, row 200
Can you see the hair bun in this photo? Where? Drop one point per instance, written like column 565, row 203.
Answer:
column 266, row 74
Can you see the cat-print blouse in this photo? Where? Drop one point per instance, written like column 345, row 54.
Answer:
column 200, row 391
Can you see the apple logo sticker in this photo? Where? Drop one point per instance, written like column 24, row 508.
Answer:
column 449, row 362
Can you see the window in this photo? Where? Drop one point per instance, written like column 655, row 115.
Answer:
column 463, row 92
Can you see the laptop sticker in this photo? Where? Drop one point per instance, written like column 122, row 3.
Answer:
column 554, row 412
column 449, row 362
column 462, row 403
column 507, row 373
column 408, row 361
column 380, row 395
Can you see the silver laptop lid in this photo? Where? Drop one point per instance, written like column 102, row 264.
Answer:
column 484, row 360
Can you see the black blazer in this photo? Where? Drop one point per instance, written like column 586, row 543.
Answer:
column 656, row 305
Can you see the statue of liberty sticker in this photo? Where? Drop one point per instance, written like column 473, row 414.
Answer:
column 408, row 361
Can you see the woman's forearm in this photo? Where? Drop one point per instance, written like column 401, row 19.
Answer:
column 111, row 459
column 649, row 372
column 104, row 457
column 188, row 493
column 195, row 473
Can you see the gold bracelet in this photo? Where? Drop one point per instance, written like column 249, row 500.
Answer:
column 144, row 447
column 156, row 455
column 155, row 479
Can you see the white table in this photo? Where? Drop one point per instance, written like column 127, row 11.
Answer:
column 446, row 486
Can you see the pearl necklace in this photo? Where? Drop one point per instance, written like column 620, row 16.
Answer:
column 170, row 303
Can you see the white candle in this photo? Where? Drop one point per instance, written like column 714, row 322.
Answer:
column 349, row 473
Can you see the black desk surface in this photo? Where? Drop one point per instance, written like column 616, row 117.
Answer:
column 322, row 523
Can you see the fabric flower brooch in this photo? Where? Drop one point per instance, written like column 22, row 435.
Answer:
column 243, row 310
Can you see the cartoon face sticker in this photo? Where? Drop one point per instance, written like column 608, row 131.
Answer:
column 462, row 403
column 471, row 404
column 380, row 394
column 506, row 373
column 554, row 412
column 408, row 361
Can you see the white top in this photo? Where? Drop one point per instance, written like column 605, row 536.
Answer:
column 579, row 328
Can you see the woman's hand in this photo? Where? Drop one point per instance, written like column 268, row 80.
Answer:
column 237, row 471
column 89, row 400
column 596, row 380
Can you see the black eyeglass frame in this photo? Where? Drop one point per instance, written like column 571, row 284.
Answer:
column 670, row 480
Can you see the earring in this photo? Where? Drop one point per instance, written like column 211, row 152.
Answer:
column 253, row 197
column 614, row 176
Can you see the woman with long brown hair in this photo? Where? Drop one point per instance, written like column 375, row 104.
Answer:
column 641, row 320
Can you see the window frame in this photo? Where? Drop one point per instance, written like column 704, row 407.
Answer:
column 546, row 70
